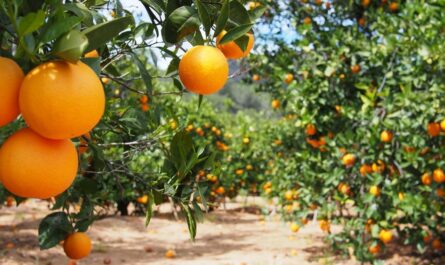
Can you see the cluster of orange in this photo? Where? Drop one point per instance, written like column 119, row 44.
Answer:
column 143, row 100
column 58, row 101
column 204, row 70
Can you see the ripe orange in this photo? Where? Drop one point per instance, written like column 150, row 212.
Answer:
column 378, row 167
column 105, row 80
column 311, row 129
column 427, row 237
column 61, row 100
column 365, row 169
column 385, row 236
column 220, row 190
column 375, row 191
column 365, row 3
column 144, row 99
column 35, row 167
column 374, row 249
column 386, row 136
column 426, row 179
column 437, row 244
column 170, row 254
column 348, row 160
column 12, row 76
column 231, row 50
column 246, row 140
column 275, row 104
column 325, row 225
column 289, row 195
column 204, row 70
column 355, row 69
column 344, row 188
column 394, row 6
column 256, row 77
column 92, row 54
column 440, row 192
column 239, row 172
column 145, row 107
column 438, row 175
column 10, row 201
column 288, row 78
column 362, row 21
column 307, row 20
column 294, row 227
column 442, row 125
column 433, row 129
column 77, row 246
column 143, row 199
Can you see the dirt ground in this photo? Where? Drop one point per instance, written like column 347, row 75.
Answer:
column 236, row 236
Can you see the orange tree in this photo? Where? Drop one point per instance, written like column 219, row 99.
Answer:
column 365, row 81
column 84, row 78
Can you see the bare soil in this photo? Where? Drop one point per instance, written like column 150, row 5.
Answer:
column 235, row 236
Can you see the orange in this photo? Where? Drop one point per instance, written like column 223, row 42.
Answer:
column 437, row 244
column 61, row 100
column 365, row 169
column 440, row 192
column 393, row 6
column 365, row 3
column 386, row 136
column 105, row 80
column 385, row 236
column 325, row 225
column 143, row 199
column 294, row 227
column 289, row 195
column 427, row 237
column 204, row 70
column 344, row 188
column 442, row 125
column 355, row 69
column 10, row 201
column 170, row 254
column 288, row 78
column 246, row 140
column 307, row 20
column 92, row 54
column 348, row 160
column 12, row 77
column 374, row 249
column 35, row 167
column 378, row 167
column 239, row 172
column 220, row 190
column 256, row 77
column 362, row 21
column 145, row 107
column 433, row 129
column 438, row 175
column 311, row 129
column 275, row 104
column 328, row 5
column 426, row 179
column 231, row 50
column 77, row 246
column 144, row 99
column 375, row 191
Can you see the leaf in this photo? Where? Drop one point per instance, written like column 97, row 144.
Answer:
column 30, row 23
column 204, row 16
column 55, row 30
column 157, row 5
column 201, row 97
column 222, row 19
column 238, row 14
column 236, row 33
column 257, row 12
column 242, row 42
column 191, row 222
column 180, row 23
column 93, row 63
column 149, row 213
column 53, row 229
column 173, row 66
column 102, row 33
column 71, row 46
column 146, row 77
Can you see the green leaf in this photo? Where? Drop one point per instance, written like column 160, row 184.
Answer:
column 146, row 77
column 30, row 23
column 204, row 16
column 93, row 63
column 222, row 19
column 191, row 222
column 71, row 46
column 236, row 33
column 201, row 97
column 180, row 23
column 242, row 42
column 55, row 30
column 53, row 229
column 149, row 213
column 238, row 14
column 102, row 33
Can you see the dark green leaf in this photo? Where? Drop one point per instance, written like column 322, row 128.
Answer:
column 53, row 229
